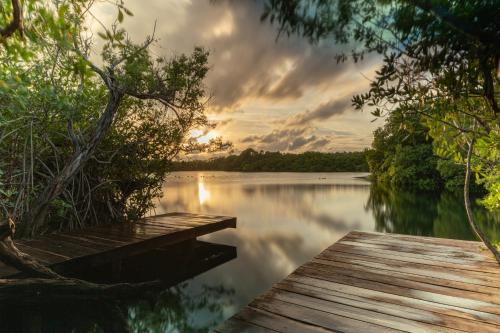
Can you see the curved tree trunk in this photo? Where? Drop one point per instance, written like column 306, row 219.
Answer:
column 37, row 214
column 468, row 208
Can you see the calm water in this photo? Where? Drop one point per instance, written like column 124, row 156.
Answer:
column 284, row 219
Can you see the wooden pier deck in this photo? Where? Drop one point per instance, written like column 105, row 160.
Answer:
column 373, row 282
column 104, row 244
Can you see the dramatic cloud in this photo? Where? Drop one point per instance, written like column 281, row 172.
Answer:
column 322, row 112
column 247, row 60
column 283, row 94
column 301, row 142
column 287, row 139
column 319, row 144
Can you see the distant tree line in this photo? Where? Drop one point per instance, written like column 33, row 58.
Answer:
column 251, row 160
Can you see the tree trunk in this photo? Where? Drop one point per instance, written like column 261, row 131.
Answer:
column 36, row 216
column 468, row 208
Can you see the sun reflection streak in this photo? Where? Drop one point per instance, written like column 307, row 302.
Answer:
column 203, row 194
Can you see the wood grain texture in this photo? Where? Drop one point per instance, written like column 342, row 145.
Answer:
column 106, row 243
column 374, row 282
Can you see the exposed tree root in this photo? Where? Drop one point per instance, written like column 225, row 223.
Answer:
column 12, row 256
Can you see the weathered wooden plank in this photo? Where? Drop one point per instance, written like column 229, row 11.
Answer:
column 401, row 275
column 406, row 312
column 412, row 251
column 402, row 289
column 358, row 313
column 369, row 282
column 44, row 256
column 112, row 237
column 422, row 239
column 86, row 240
column 82, row 244
column 430, row 249
column 415, row 268
column 435, row 244
column 164, row 226
column 58, row 247
column 385, row 296
column 276, row 322
column 129, row 230
column 314, row 317
column 413, row 259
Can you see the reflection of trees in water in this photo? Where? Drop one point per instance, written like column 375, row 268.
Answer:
column 176, row 310
column 297, row 188
column 170, row 311
column 401, row 212
column 452, row 219
column 429, row 214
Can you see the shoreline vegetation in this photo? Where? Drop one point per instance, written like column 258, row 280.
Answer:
column 251, row 160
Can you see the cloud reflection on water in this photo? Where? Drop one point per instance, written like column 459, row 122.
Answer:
column 283, row 220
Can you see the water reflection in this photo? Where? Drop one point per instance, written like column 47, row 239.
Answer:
column 203, row 194
column 284, row 219
column 427, row 214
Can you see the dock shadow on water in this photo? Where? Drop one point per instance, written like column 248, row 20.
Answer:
column 169, row 310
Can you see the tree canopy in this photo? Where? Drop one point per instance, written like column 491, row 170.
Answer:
column 87, row 138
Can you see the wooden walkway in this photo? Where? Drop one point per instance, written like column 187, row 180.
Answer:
column 104, row 244
column 373, row 282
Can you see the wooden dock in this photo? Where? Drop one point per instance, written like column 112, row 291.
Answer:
column 111, row 243
column 373, row 282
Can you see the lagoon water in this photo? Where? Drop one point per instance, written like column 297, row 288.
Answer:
column 284, row 219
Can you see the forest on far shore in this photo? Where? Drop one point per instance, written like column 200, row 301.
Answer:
column 251, row 160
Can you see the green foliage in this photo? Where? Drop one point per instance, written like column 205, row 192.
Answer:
column 402, row 154
column 454, row 132
column 414, row 167
column 52, row 102
column 452, row 173
column 253, row 161
column 440, row 60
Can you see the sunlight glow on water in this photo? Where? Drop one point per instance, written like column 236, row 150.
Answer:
column 203, row 194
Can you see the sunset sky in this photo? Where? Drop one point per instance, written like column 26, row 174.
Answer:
column 268, row 94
